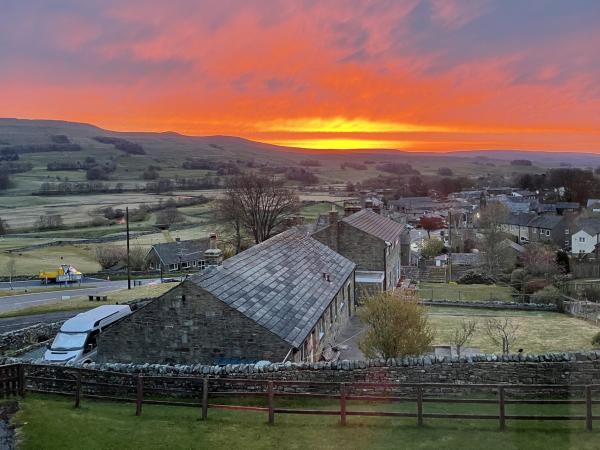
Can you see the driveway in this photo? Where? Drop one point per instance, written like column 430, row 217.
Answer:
column 347, row 341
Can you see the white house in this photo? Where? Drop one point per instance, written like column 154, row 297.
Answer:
column 587, row 236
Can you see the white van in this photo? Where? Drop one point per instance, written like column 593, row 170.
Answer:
column 77, row 338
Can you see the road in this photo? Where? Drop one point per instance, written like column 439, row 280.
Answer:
column 16, row 323
column 38, row 283
column 20, row 301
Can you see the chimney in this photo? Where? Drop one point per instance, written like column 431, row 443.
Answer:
column 333, row 215
column 368, row 203
column 213, row 255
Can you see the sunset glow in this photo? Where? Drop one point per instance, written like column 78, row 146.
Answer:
column 415, row 75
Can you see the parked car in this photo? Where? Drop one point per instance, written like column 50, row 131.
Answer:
column 77, row 338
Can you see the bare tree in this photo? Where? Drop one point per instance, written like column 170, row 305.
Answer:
column 502, row 332
column 110, row 255
column 49, row 222
column 262, row 203
column 3, row 227
column 490, row 222
column 11, row 269
column 169, row 216
column 463, row 334
column 228, row 209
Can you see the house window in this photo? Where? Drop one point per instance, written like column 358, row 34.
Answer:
column 581, row 239
column 201, row 264
column 173, row 266
column 547, row 232
column 185, row 265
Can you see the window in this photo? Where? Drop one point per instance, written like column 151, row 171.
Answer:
column 547, row 232
column 173, row 266
column 582, row 239
column 201, row 264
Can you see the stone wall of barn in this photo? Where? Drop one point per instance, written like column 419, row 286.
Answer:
column 188, row 325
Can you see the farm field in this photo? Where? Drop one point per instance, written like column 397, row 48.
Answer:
column 539, row 332
column 103, row 425
column 465, row 292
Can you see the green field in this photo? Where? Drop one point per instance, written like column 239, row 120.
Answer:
column 465, row 292
column 539, row 332
column 48, row 422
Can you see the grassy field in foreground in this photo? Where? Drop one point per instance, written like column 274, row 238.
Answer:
column 73, row 304
column 538, row 331
column 465, row 292
column 52, row 423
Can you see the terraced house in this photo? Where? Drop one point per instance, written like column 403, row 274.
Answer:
column 285, row 299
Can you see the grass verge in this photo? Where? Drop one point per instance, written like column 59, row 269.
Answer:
column 78, row 303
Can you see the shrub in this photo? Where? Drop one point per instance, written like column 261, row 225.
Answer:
column 518, row 278
column 547, row 296
column 394, row 327
column 535, row 285
column 596, row 339
column 432, row 248
column 475, row 277
column 110, row 255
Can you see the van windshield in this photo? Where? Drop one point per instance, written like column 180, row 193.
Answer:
column 69, row 341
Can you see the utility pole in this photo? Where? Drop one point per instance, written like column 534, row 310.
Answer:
column 128, row 264
column 450, row 245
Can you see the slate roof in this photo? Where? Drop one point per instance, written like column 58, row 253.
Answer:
column 593, row 202
column 545, row 221
column 279, row 283
column 375, row 224
column 521, row 219
column 189, row 250
column 414, row 202
column 591, row 225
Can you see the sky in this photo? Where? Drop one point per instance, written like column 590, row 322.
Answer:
column 417, row 75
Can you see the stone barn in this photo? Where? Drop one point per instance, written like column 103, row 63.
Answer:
column 285, row 299
column 370, row 240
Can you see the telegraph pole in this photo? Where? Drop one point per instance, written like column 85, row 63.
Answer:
column 128, row 265
column 450, row 244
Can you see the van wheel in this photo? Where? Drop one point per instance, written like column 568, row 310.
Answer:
column 87, row 361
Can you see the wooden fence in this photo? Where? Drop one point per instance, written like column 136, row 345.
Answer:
column 18, row 379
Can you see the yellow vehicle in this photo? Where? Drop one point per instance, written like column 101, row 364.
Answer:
column 64, row 274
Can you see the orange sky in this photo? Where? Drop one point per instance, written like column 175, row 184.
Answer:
column 413, row 75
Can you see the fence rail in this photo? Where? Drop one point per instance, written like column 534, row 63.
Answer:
column 78, row 383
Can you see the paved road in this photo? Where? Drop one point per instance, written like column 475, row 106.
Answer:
column 20, row 301
column 38, row 283
column 16, row 323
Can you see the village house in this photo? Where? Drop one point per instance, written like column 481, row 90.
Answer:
column 178, row 255
column 373, row 242
column 285, row 299
column 516, row 224
column 550, row 229
column 414, row 207
column 586, row 236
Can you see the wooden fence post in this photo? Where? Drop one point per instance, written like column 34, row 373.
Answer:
column 420, row 406
column 501, row 408
column 271, row 401
column 204, row 398
column 77, row 389
column 343, row 404
column 588, row 408
column 139, row 396
column 22, row 385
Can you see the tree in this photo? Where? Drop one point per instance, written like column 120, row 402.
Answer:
column 228, row 210
column 496, row 255
column 137, row 257
column 540, row 260
column 49, row 222
column 11, row 269
column 3, row 227
column 502, row 332
column 432, row 248
column 394, row 327
column 431, row 223
column 445, row 171
column 169, row 216
column 110, row 255
column 263, row 204
column 463, row 333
